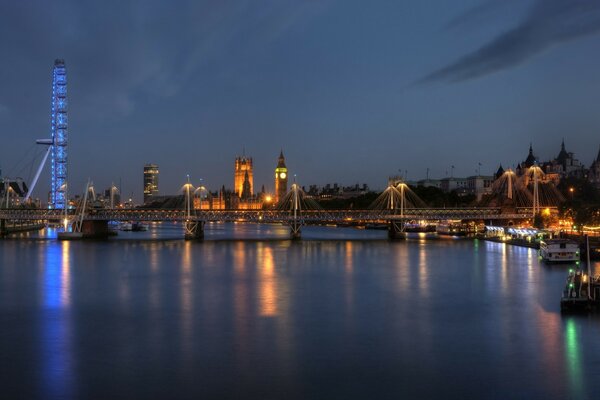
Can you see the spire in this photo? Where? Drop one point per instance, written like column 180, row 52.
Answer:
column 563, row 156
column 281, row 160
column 500, row 172
column 530, row 160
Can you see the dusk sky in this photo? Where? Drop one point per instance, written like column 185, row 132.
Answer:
column 352, row 91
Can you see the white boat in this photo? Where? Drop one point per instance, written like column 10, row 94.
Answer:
column 559, row 250
column 125, row 226
column 451, row 229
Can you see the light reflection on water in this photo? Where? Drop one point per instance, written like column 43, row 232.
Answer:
column 56, row 325
column 280, row 319
column 574, row 362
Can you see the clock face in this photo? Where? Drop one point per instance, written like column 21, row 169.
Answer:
column 282, row 175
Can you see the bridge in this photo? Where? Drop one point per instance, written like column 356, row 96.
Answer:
column 394, row 207
column 96, row 219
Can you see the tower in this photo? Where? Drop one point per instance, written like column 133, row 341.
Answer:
column 150, row 182
column 281, row 178
column 243, row 165
column 59, row 135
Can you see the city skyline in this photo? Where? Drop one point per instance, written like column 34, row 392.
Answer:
column 405, row 89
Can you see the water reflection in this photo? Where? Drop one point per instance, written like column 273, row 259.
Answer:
column 187, row 302
column 56, row 322
column 504, row 268
column 268, row 284
column 349, row 275
column 573, row 359
column 155, row 287
column 65, row 276
column 549, row 328
column 423, row 271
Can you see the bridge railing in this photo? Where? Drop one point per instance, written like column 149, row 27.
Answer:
column 310, row 216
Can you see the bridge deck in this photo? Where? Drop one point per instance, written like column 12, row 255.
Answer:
column 267, row 216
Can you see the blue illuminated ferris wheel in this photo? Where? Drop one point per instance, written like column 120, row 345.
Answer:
column 59, row 135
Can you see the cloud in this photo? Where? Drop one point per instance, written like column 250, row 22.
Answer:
column 548, row 23
column 121, row 53
column 481, row 12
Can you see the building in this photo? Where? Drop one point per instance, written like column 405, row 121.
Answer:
column 150, row 182
column 243, row 184
column 281, row 178
column 594, row 172
column 335, row 191
column 564, row 165
column 530, row 161
column 479, row 185
column 436, row 183
column 453, row 184
column 112, row 197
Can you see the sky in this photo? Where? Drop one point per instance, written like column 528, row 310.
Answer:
column 351, row 91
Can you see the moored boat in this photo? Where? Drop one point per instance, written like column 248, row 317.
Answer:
column 559, row 250
column 451, row 229
column 139, row 227
column 581, row 292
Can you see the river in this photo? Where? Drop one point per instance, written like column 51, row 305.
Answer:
column 247, row 314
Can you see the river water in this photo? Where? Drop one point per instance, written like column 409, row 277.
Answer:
column 342, row 314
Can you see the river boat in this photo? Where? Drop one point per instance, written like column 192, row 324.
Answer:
column 125, row 226
column 582, row 290
column 451, row 229
column 139, row 227
column 559, row 251
column 418, row 228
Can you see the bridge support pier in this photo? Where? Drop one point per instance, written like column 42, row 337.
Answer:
column 396, row 230
column 295, row 232
column 3, row 230
column 92, row 229
column 194, row 230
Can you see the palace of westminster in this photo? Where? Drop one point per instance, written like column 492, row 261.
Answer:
column 242, row 197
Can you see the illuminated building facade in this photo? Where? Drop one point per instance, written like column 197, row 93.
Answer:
column 150, row 182
column 244, row 177
column 281, row 178
column 594, row 173
column 59, row 135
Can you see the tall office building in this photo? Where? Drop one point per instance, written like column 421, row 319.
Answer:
column 150, row 182
column 281, row 178
column 243, row 173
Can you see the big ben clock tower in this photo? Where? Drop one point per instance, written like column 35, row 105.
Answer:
column 281, row 178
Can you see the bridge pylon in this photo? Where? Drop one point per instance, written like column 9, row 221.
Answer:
column 296, row 222
column 194, row 228
column 294, row 205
